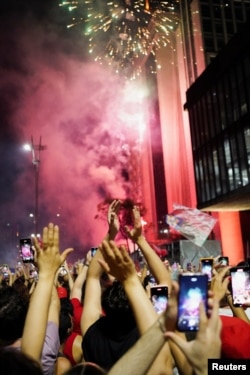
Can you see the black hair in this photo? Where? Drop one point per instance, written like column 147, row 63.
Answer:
column 15, row 362
column 13, row 311
column 243, row 263
column 86, row 368
column 116, row 305
column 65, row 319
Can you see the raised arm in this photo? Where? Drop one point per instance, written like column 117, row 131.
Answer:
column 140, row 359
column 219, row 286
column 113, row 220
column 76, row 291
column 120, row 265
column 207, row 343
column 156, row 266
column 49, row 260
column 92, row 298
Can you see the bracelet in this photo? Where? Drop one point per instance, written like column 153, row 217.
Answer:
column 162, row 328
column 86, row 264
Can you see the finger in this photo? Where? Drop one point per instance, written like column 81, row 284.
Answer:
column 65, row 253
column 104, row 265
column 45, row 237
column 223, row 271
column 214, row 320
column 55, row 236
column 203, row 318
column 50, row 233
column 127, row 231
column 36, row 244
column 117, row 254
column 179, row 341
column 172, row 307
column 106, row 249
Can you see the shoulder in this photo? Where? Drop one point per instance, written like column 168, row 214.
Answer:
column 62, row 365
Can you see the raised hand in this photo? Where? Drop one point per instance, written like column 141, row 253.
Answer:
column 220, row 282
column 117, row 261
column 48, row 256
column 136, row 232
column 207, row 343
column 113, row 219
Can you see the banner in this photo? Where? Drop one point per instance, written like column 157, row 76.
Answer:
column 191, row 223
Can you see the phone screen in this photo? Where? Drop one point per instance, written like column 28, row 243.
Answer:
column 207, row 267
column 193, row 290
column 224, row 261
column 240, row 282
column 93, row 250
column 27, row 252
column 159, row 297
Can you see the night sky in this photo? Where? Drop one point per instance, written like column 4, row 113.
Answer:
column 85, row 115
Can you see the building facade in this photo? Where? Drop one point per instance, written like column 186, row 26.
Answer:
column 214, row 177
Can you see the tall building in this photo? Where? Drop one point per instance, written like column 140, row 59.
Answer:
column 205, row 29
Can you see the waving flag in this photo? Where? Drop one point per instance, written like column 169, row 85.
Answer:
column 191, row 223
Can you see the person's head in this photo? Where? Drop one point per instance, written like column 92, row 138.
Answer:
column 87, row 368
column 242, row 263
column 65, row 319
column 15, row 362
column 115, row 303
column 13, row 310
column 21, row 288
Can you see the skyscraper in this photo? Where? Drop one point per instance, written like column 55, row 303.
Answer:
column 205, row 28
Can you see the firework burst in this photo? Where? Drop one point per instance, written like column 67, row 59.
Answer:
column 122, row 32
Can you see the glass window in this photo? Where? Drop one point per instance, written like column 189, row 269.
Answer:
column 224, row 179
column 217, row 172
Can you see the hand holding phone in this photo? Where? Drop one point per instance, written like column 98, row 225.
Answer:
column 159, row 297
column 240, row 285
column 207, row 267
column 5, row 271
column 224, row 261
column 27, row 253
column 193, row 291
column 93, row 250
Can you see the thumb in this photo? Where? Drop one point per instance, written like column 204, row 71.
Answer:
column 65, row 253
column 104, row 265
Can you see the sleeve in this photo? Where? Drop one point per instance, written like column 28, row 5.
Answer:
column 50, row 348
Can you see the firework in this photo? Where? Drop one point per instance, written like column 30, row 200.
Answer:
column 122, row 32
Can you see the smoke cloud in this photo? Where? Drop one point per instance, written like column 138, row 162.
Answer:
column 86, row 117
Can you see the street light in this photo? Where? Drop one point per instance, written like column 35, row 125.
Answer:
column 36, row 149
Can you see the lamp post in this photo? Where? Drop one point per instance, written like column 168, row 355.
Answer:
column 36, row 149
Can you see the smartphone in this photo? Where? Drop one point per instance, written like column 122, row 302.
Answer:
column 151, row 280
column 224, row 261
column 207, row 267
column 5, row 268
column 193, row 291
column 159, row 297
column 62, row 271
column 27, row 253
column 5, row 272
column 240, row 285
column 93, row 250
column 33, row 274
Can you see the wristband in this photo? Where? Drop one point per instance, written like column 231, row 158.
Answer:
column 86, row 264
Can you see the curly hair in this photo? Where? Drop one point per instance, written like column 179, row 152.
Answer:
column 116, row 305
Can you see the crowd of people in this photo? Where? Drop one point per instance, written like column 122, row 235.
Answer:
column 99, row 318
